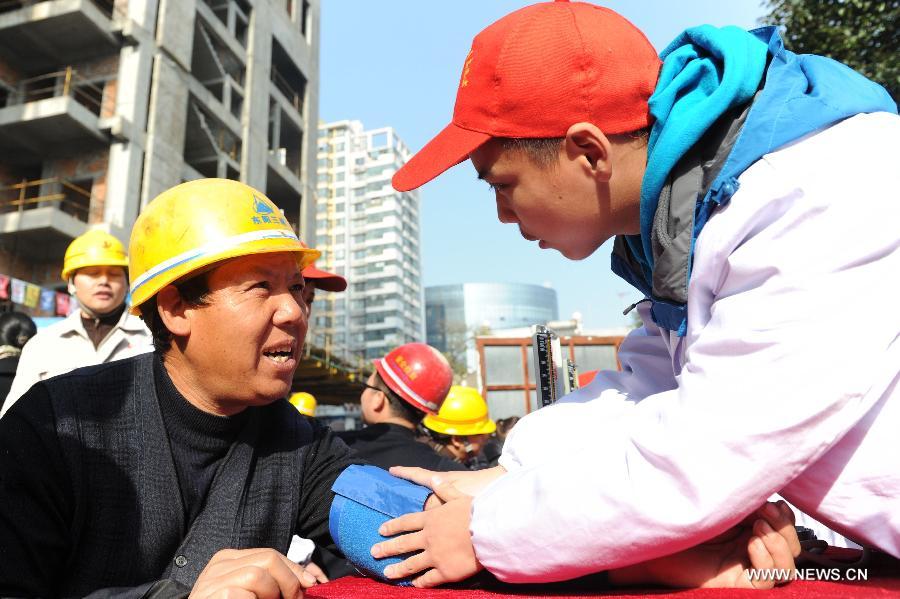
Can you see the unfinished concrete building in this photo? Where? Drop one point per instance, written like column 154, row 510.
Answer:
column 106, row 103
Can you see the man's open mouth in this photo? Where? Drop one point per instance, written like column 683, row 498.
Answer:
column 280, row 354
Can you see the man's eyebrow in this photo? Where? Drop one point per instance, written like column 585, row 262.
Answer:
column 269, row 272
column 484, row 174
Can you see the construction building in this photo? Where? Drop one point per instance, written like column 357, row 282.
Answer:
column 369, row 233
column 106, row 103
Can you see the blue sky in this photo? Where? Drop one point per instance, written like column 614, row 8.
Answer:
column 397, row 63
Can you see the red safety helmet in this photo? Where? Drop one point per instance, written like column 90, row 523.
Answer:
column 417, row 373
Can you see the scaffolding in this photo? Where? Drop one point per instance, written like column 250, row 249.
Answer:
column 27, row 195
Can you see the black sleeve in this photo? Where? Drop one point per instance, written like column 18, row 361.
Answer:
column 36, row 498
column 37, row 506
column 444, row 464
column 326, row 458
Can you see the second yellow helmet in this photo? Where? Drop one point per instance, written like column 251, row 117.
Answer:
column 464, row 412
column 94, row 248
column 304, row 402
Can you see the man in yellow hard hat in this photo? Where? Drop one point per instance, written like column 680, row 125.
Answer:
column 461, row 427
column 100, row 330
column 184, row 470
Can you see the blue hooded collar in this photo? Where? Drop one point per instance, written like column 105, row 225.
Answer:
column 707, row 72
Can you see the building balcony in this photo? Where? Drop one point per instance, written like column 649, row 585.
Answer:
column 49, row 116
column 41, row 217
column 38, row 35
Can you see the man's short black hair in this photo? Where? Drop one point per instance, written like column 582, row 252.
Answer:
column 194, row 291
column 544, row 151
column 399, row 407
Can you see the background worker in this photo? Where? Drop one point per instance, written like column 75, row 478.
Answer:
column 749, row 190
column 99, row 330
column 493, row 448
column 16, row 329
column 461, row 427
column 314, row 279
column 410, row 382
column 189, row 457
column 320, row 279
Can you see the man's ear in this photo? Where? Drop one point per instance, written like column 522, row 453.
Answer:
column 379, row 402
column 586, row 141
column 174, row 311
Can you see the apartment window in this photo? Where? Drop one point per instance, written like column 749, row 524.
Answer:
column 379, row 140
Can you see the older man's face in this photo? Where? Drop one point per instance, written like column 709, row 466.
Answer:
column 249, row 336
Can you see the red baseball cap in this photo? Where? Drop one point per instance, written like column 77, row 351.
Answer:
column 536, row 72
column 326, row 281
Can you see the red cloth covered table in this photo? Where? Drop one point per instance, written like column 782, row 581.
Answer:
column 883, row 582
column 353, row 587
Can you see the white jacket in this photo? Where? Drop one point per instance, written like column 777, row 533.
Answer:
column 65, row 346
column 787, row 380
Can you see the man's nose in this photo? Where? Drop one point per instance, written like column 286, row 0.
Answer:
column 290, row 311
column 504, row 214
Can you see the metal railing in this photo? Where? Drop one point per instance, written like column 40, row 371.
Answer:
column 336, row 357
column 27, row 195
column 293, row 96
column 60, row 84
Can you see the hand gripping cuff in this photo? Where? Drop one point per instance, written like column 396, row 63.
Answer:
column 365, row 498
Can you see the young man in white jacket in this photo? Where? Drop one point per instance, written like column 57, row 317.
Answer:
column 100, row 330
column 752, row 194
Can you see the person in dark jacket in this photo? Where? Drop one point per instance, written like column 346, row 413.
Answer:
column 16, row 329
column 408, row 383
column 182, row 471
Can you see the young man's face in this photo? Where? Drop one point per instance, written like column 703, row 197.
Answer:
column 561, row 206
column 247, row 340
column 100, row 289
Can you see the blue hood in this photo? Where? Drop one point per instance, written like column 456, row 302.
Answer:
column 800, row 95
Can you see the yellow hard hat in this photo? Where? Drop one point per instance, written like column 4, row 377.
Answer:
column 199, row 223
column 464, row 413
column 304, row 402
column 94, row 248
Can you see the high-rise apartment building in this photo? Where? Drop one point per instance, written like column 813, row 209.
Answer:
column 369, row 233
column 106, row 103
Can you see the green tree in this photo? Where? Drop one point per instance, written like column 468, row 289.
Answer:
column 863, row 34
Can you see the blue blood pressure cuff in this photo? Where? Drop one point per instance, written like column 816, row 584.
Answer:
column 365, row 498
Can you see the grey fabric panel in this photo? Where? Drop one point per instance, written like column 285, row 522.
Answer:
column 673, row 226
column 671, row 238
